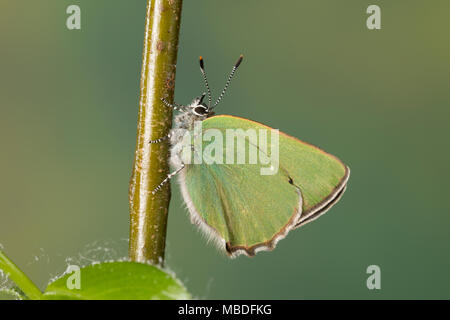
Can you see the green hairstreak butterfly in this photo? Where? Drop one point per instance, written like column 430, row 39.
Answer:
column 237, row 204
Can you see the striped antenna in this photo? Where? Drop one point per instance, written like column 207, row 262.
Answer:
column 202, row 69
column 229, row 80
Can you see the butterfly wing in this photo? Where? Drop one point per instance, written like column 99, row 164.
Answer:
column 321, row 177
column 246, row 211
column 242, row 210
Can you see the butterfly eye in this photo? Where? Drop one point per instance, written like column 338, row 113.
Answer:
column 200, row 110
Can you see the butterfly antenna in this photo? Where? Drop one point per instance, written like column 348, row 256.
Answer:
column 202, row 69
column 229, row 80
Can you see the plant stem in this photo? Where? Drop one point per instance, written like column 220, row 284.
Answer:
column 148, row 213
column 19, row 278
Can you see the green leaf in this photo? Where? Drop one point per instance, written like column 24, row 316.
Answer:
column 117, row 281
column 18, row 277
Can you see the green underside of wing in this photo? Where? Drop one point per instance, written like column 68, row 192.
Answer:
column 244, row 207
column 248, row 209
column 314, row 171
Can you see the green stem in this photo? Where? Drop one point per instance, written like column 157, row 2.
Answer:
column 148, row 213
column 19, row 278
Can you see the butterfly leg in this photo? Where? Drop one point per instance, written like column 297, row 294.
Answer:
column 160, row 139
column 173, row 106
column 169, row 176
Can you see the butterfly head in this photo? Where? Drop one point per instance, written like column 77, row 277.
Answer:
column 199, row 108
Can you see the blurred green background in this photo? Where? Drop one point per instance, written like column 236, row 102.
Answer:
column 379, row 100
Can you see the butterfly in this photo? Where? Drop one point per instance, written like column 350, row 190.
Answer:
column 234, row 203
